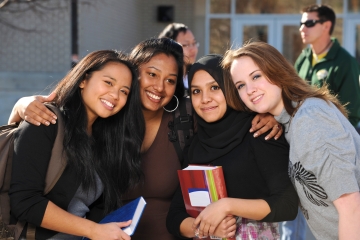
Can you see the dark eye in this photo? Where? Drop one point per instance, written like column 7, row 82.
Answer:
column 124, row 92
column 215, row 87
column 108, row 83
column 152, row 74
column 195, row 91
column 171, row 81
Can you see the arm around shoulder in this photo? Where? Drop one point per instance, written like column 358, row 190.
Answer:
column 33, row 110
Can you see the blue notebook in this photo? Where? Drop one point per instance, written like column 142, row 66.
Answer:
column 131, row 211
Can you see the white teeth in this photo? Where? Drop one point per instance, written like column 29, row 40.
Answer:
column 107, row 103
column 257, row 98
column 153, row 96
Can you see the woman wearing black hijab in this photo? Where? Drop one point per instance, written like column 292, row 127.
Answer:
column 259, row 190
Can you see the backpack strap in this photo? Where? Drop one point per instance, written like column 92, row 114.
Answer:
column 58, row 160
column 182, row 127
column 55, row 169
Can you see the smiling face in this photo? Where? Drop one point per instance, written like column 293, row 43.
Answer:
column 188, row 41
column 207, row 97
column 158, row 79
column 105, row 92
column 255, row 90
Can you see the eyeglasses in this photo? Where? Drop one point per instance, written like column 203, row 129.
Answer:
column 190, row 45
column 311, row 23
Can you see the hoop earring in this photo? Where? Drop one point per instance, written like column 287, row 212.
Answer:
column 177, row 104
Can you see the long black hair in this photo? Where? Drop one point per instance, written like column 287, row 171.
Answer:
column 147, row 49
column 113, row 150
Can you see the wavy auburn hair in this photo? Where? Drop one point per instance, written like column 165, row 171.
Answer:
column 278, row 71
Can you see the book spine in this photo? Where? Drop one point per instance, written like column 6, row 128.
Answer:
column 219, row 182
column 211, row 185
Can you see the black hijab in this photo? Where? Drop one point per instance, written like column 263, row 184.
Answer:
column 216, row 139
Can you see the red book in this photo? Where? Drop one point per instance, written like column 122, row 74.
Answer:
column 200, row 186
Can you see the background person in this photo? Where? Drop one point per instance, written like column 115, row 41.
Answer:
column 324, row 147
column 184, row 36
column 259, row 190
column 98, row 95
column 325, row 61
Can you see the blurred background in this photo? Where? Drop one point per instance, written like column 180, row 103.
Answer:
column 41, row 39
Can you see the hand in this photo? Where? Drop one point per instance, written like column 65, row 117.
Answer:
column 226, row 228
column 263, row 122
column 210, row 218
column 111, row 231
column 34, row 111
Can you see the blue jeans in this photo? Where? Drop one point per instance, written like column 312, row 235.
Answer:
column 294, row 230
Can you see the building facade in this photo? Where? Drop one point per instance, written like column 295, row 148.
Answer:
column 38, row 45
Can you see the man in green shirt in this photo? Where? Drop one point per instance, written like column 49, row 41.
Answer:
column 325, row 61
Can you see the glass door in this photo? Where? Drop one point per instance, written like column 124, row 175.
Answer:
column 282, row 32
column 251, row 27
column 288, row 39
column 352, row 37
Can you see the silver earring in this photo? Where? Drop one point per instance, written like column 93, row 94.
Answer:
column 177, row 104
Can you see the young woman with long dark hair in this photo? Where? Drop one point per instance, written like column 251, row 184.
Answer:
column 99, row 101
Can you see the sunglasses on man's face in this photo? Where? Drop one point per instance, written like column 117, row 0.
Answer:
column 311, row 23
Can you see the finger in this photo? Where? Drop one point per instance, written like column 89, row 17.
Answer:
column 37, row 119
column 124, row 224
column 45, row 98
column 231, row 228
column 231, row 234
column 275, row 130
column 211, row 230
column 125, row 237
column 203, row 229
column 254, row 122
column 196, row 223
column 50, row 97
column 229, row 217
column 230, row 222
column 261, row 128
column 281, row 130
column 40, row 112
column 32, row 121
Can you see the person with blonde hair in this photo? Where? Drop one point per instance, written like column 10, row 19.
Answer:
column 324, row 147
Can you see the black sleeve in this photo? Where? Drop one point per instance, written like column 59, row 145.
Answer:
column 32, row 153
column 177, row 213
column 272, row 158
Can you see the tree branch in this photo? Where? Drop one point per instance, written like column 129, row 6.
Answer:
column 3, row 3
